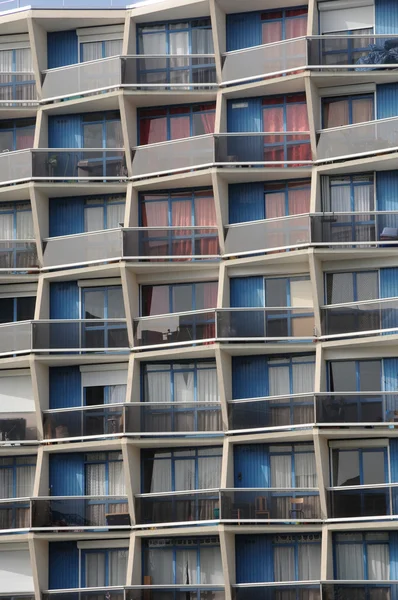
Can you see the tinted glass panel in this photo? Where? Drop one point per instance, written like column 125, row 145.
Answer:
column 370, row 376
column 342, row 377
column 373, row 467
column 25, row 308
column 6, row 310
column 346, row 467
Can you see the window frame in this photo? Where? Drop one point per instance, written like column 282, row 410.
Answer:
column 291, row 403
column 171, row 287
column 102, row 202
column 107, row 326
column 107, row 503
column 170, row 115
column 284, row 188
column 350, row 98
column 15, row 307
column 17, row 506
column 104, row 551
column 17, row 125
column 295, row 544
column 354, row 275
column 365, row 543
column 289, row 316
column 295, row 450
column 15, row 83
column 283, row 18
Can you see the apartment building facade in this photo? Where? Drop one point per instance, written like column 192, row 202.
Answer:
column 236, row 162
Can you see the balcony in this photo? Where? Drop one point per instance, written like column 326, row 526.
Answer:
column 155, row 72
column 57, row 165
column 257, row 505
column 294, row 590
column 84, row 512
column 271, row 150
column 18, row 428
column 355, row 319
column 323, row 53
column 18, row 89
column 138, row 244
column 18, row 256
column 355, row 230
column 15, row 515
column 353, row 502
column 163, row 592
column 360, row 590
column 178, row 507
column 270, row 235
column 355, row 408
column 139, row 418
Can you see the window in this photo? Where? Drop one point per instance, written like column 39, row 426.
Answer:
column 106, row 306
column 105, row 212
column 102, row 130
column 347, row 110
column 177, row 386
column 163, row 299
column 293, row 466
column 175, row 122
column 297, row 557
column 17, row 309
column 190, row 208
column 176, row 38
column 183, row 561
column 362, row 556
column 336, row 16
column 17, row 87
column 286, row 292
column 104, row 476
column 347, row 50
column 352, row 287
column 102, row 568
column 16, row 221
column 354, row 376
column 16, row 481
column 363, row 466
column 285, row 114
column 181, row 470
column 285, row 24
column 290, row 198
column 100, row 49
column 16, row 135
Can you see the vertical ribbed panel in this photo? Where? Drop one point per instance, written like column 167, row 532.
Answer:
column 254, row 558
column 64, row 300
column 249, row 377
column 251, row 466
column 65, row 131
column 393, row 536
column 65, row 387
column 246, row 202
column 245, row 115
column 247, row 291
column 66, row 216
column 67, row 474
column 63, row 565
column 389, row 283
column 390, row 375
column 243, row 30
column 62, row 48
column 387, row 190
column 386, row 16
column 387, row 100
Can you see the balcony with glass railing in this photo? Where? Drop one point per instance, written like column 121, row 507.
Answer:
column 63, row 165
column 320, row 53
column 15, row 515
column 375, row 229
column 133, row 418
column 291, row 590
column 168, row 508
column 250, row 149
column 155, row 72
column 358, row 319
column 18, row 428
column 18, row 256
column 362, row 501
column 18, row 89
column 162, row 592
column 348, row 590
column 136, row 244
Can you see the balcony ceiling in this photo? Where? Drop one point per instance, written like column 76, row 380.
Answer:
column 61, row 20
column 167, row 11
column 235, row 6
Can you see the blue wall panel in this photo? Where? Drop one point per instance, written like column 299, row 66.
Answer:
column 394, row 477
column 63, row 565
column 249, row 377
column 386, row 190
column 64, row 300
column 62, row 48
column 65, row 387
column 251, row 466
column 247, row 291
column 254, row 558
column 394, row 559
column 67, row 474
column 386, row 16
column 243, row 30
column 387, row 100
column 65, row 131
column 66, row 216
column 389, row 282
column 246, row 202
column 245, row 115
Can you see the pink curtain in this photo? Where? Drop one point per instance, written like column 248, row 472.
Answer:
column 180, row 127
column 155, row 214
column 271, row 32
column 336, row 114
column 205, row 216
column 153, row 130
column 275, row 205
column 181, row 216
column 210, row 301
column 299, row 201
column 295, row 27
column 362, row 110
column 208, row 121
column 155, row 300
column 24, row 141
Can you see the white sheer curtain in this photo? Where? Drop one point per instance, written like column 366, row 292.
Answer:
column 284, row 564
column 6, row 487
column 118, row 567
column 202, row 41
column 209, row 475
column 184, row 474
column 378, row 562
column 186, row 567
column 25, row 480
column 309, row 562
column 303, row 378
column 281, row 471
column 279, row 381
column 340, row 198
column 157, row 387
column 161, row 475
column 6, row 227
column 95, row 480
column 90, row 51
column 117, row 393
column 114, row 215
column 207, row 386
column 95, row 569
column 211, row 571
column 160, row 566
column 184, row 387
column 93, row 218
column 349, row 561
column 117, row 485
column 113, row 47
column 305, row 470
column 25, row 225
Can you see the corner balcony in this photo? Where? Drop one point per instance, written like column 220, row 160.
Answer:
column 360, row 502
column 162, row 592
column 62, row 165
column 90, row 335
column 292, row 590
column 266, row 150
column 355, row 230
column 323, row 53
column 133, row 419
column 358, row 319
column 185, row 72
column 143, row 244
column 87, row 513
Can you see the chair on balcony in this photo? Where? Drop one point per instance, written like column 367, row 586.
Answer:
column 261, row 507
column 297, row 508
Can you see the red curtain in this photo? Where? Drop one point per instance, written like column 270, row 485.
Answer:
column 155, row 214
column 180, row 127
column 210, row 301
column 181, row 216
column 155, row 300
column 205, row 216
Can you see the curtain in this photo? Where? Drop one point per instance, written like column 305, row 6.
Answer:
column 93, row 218
column 90, row 51
column 207, row 385
column 279, row 385
column 299, row 201
column 309, row 562
column 181, row 216
column 202, row 41
column 284, row 564
column 305, row 470
column 157, row 387
column 116, row 479
column 113, row 47
column 6, row 227
column 155, row 214
column 117, row 393
column 203, row 122
column 362, row 110
column 184, row 474
column 114, row 134
column 209, row 476
column 349, row 559
column 153, row 130
column 25, row 225
column 95, row 480
column 205, row 216
column 95, row 569
column 114, row 215
column 6, row 483
column 336, row 113
column 281, row 472
column 118, row 567
column 25, row 138
column 25, row 480
column 184, row 387
column 271, row 32
column 161, row 476
column 378, row 562
column 186, row 567
column 159, row 566
column 296, row 27
column 211, row 571
column 210, row 301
